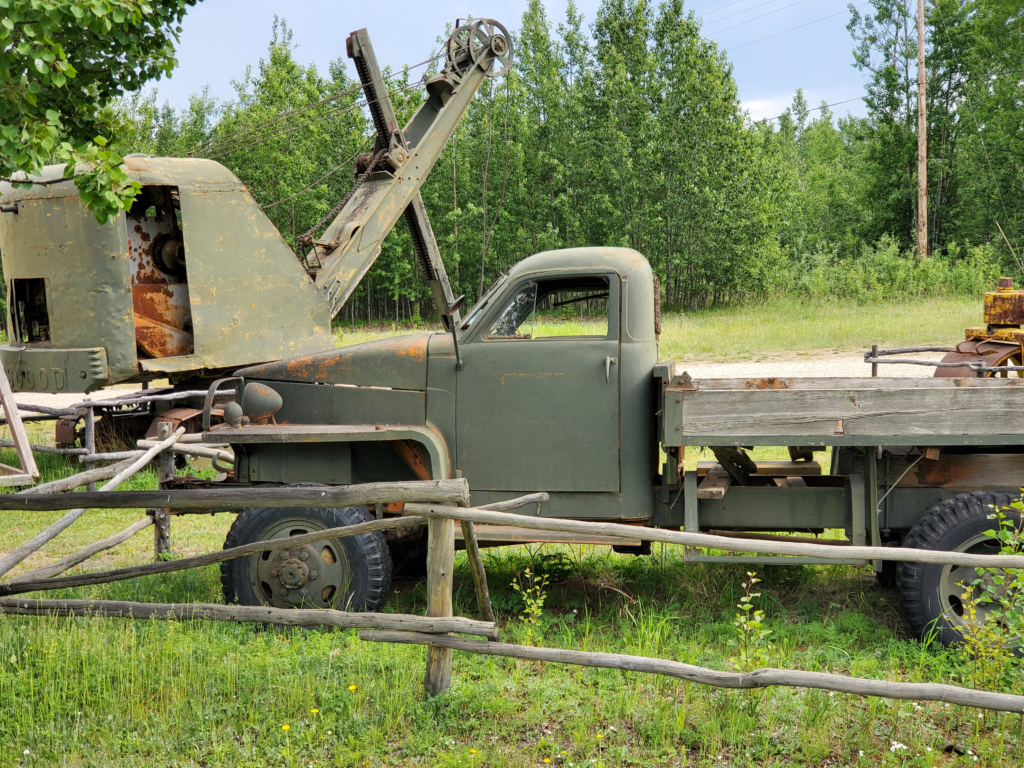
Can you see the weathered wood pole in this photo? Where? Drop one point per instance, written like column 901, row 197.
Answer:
column 90, row 437
column 290, row 617
column 164, row 475
column 476, row 564
column 85, row 553
column 922, row 140
column 759, row 678
column 440, row 564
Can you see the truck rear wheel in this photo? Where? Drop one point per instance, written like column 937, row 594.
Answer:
column 931, row 597
column 351, row 573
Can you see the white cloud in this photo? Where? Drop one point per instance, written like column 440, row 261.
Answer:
column 769, row 107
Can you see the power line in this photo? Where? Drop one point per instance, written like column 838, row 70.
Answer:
column 815, row 109
column 793, row 29
column 282, row 131
column 208, row 145
column 729, row 5
column 323, row 178
column 747, row 21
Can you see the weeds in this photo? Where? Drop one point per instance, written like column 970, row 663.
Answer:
column 531, row 589
column 751, row 642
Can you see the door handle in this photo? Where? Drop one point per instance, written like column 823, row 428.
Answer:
column 608, row 363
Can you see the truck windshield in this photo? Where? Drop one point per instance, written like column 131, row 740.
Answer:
column 563, row 307
column 474, row 314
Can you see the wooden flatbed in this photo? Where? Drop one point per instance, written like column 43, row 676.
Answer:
column 841, row 411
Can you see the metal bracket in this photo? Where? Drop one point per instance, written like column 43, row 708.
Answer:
column 211, row 394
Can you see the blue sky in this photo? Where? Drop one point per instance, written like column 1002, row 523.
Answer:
column 776, row 46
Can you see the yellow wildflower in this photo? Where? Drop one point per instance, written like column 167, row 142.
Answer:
column 351, row 687
column 315, row 711
column 285, row 727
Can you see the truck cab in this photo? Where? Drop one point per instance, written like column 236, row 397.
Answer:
column 545, row 386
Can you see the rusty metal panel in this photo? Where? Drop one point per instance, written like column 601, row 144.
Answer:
column 249, row 298
column 1004, row 306
column 314, row 404
column 967, row 472
column 399, row 363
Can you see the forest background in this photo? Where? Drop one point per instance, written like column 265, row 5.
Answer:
column 629, row 132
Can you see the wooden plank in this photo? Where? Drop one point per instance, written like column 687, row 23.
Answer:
column 849, row 383
column 909, row 413
column 18, row 434
column 761, row 678
column 81, row 478
column 233, row 499
column 714, row 485
column 13, row 480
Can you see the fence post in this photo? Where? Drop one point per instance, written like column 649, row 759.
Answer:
column 90, row 436
column 164, row 473
column 440, row 564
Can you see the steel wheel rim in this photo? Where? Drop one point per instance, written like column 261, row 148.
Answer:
column 950, row 595
column 311, row 576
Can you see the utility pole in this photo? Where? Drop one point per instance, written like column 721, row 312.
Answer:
column 922, row 140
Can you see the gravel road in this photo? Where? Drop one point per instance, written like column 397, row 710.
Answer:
column 793, row 365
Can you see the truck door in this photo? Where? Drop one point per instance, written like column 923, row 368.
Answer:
column 538, row 396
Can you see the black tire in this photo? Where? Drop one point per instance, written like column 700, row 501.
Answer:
column 351, row 573
column 887, row 576
column 928, row 592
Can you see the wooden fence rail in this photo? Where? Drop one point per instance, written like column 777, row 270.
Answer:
column 291, row 617
column 761, row 678
column 708, row 541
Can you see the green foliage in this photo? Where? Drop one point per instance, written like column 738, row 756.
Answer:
column 1003, row 589
column 884, row 272
column 751, row 641
column 530, row 587
column 62, row 62
column 626, row 130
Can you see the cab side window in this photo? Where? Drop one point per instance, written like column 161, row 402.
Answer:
column 559, row 308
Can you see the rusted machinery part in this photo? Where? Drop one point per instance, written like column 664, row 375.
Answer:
column 469, row 43
column 991, row 353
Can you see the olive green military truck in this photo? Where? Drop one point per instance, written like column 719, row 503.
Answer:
column 584, row 411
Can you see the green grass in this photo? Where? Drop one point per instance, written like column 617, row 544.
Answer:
column 755, row 331
column 113, row 693
column 752, row 332
column 109, row 692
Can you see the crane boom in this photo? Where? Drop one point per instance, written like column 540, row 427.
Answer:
column 392, row 174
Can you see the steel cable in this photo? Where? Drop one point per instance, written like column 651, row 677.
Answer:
column 299, row 110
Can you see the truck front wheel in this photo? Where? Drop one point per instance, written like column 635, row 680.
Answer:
column 351, row 573
column 931, row 594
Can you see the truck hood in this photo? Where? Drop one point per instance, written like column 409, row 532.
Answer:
column 398, row 363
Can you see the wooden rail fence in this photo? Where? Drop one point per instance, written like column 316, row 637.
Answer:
column 437, row 505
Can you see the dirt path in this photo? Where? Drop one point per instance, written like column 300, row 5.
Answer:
column 807, row 365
